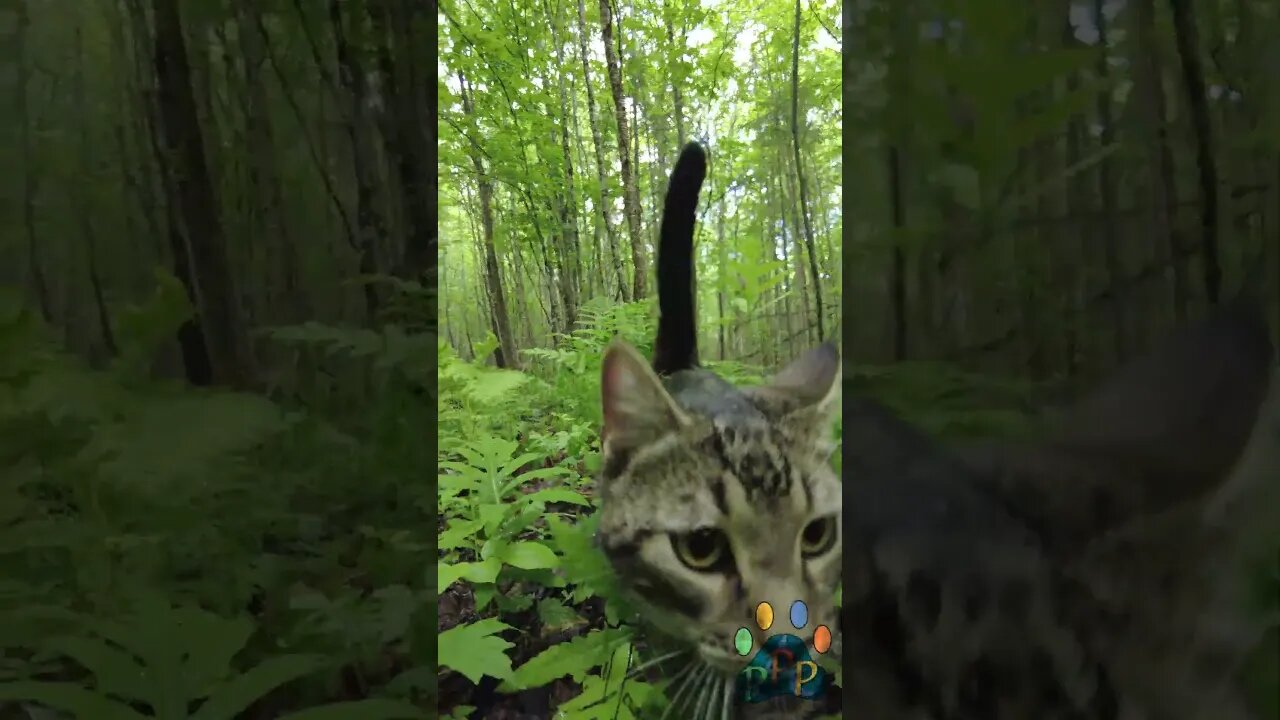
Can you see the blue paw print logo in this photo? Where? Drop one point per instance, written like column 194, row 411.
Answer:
column 783, row 666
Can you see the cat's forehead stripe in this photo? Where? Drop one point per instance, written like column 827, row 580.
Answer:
column 750, row 452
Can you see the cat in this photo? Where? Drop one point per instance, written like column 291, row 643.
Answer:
column 1093, row 573
column 715, row 498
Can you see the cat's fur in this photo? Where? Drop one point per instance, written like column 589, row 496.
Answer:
column 687, row 452
column 1092, row 574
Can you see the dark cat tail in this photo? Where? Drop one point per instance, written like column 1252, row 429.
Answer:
column 676, row 347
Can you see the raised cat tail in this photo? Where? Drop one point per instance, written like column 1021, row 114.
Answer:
column 676, row 346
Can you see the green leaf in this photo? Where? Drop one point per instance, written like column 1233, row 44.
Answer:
column 233, row 696
column 519, row 462
column 475, row 650
column 458, row 533
column 604, row 697
column 529, row 556
column 212, row 642
column 554, row 614
column 574, row 657
column 485, row 571
column 558, row 495
column 375, row 709
column 492, row 515
column 115, row 671
column 81, row 703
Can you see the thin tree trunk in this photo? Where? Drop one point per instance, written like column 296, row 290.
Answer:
column 787, row 188
column 35, row 270
column 196, row 204
column 898, row 280
column 493, row 279
column 594, row 275
column 1164, row 173
column 722, row 259
column 571, row 259
column 134, row 168
column 1106, row 179
column 795, row 144
column 676, row 97
column 597, row 143
column 1075, row 201
column 83, row 204
column 1187, row 36
column 784, row 288
column 630, row 191
column 264, row 175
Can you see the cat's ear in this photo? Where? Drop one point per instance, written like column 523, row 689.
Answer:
column 637, row 408
column 809, row 389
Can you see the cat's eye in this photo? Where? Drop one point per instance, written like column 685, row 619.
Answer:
column 703, row 549
column 818, row 536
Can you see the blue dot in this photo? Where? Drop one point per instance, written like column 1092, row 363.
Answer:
column 799, row 614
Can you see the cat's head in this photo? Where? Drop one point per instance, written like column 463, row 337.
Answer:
column 716, row 498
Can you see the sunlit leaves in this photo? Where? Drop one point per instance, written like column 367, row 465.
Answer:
column 476, row 650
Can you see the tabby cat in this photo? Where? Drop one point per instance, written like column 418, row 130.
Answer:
column 1090, row 574
column 1094, row 573
column 715, row 498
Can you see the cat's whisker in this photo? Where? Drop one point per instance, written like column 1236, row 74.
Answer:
column 635, row 671
column 726, row 690
column 706, row 694
column 686, row 679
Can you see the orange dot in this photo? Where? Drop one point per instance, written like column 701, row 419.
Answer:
column 822, row 639
column 764, row 615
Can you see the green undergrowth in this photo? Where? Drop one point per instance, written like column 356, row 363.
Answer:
column 171, row 552
column 532, row 603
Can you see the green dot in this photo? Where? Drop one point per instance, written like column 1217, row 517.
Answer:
column 742, row 641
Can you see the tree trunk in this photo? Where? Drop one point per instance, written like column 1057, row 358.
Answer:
column 898, row 279
column 196, row 205
column 571, row 259
column 593, row 276
column 630, row 191
column 492, row 277
column 602, row 196
column 1075, row 202
column 804, row 205
column 674, row 49
column 267, row 188
column 1106, row 179
column 363, row 158
column 84, row 205
column 194, row 351
column 396, row 22
column 1184, row 25
column 35, row 270
column 1164, row 172
column 787, row 189
column 722, row 260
